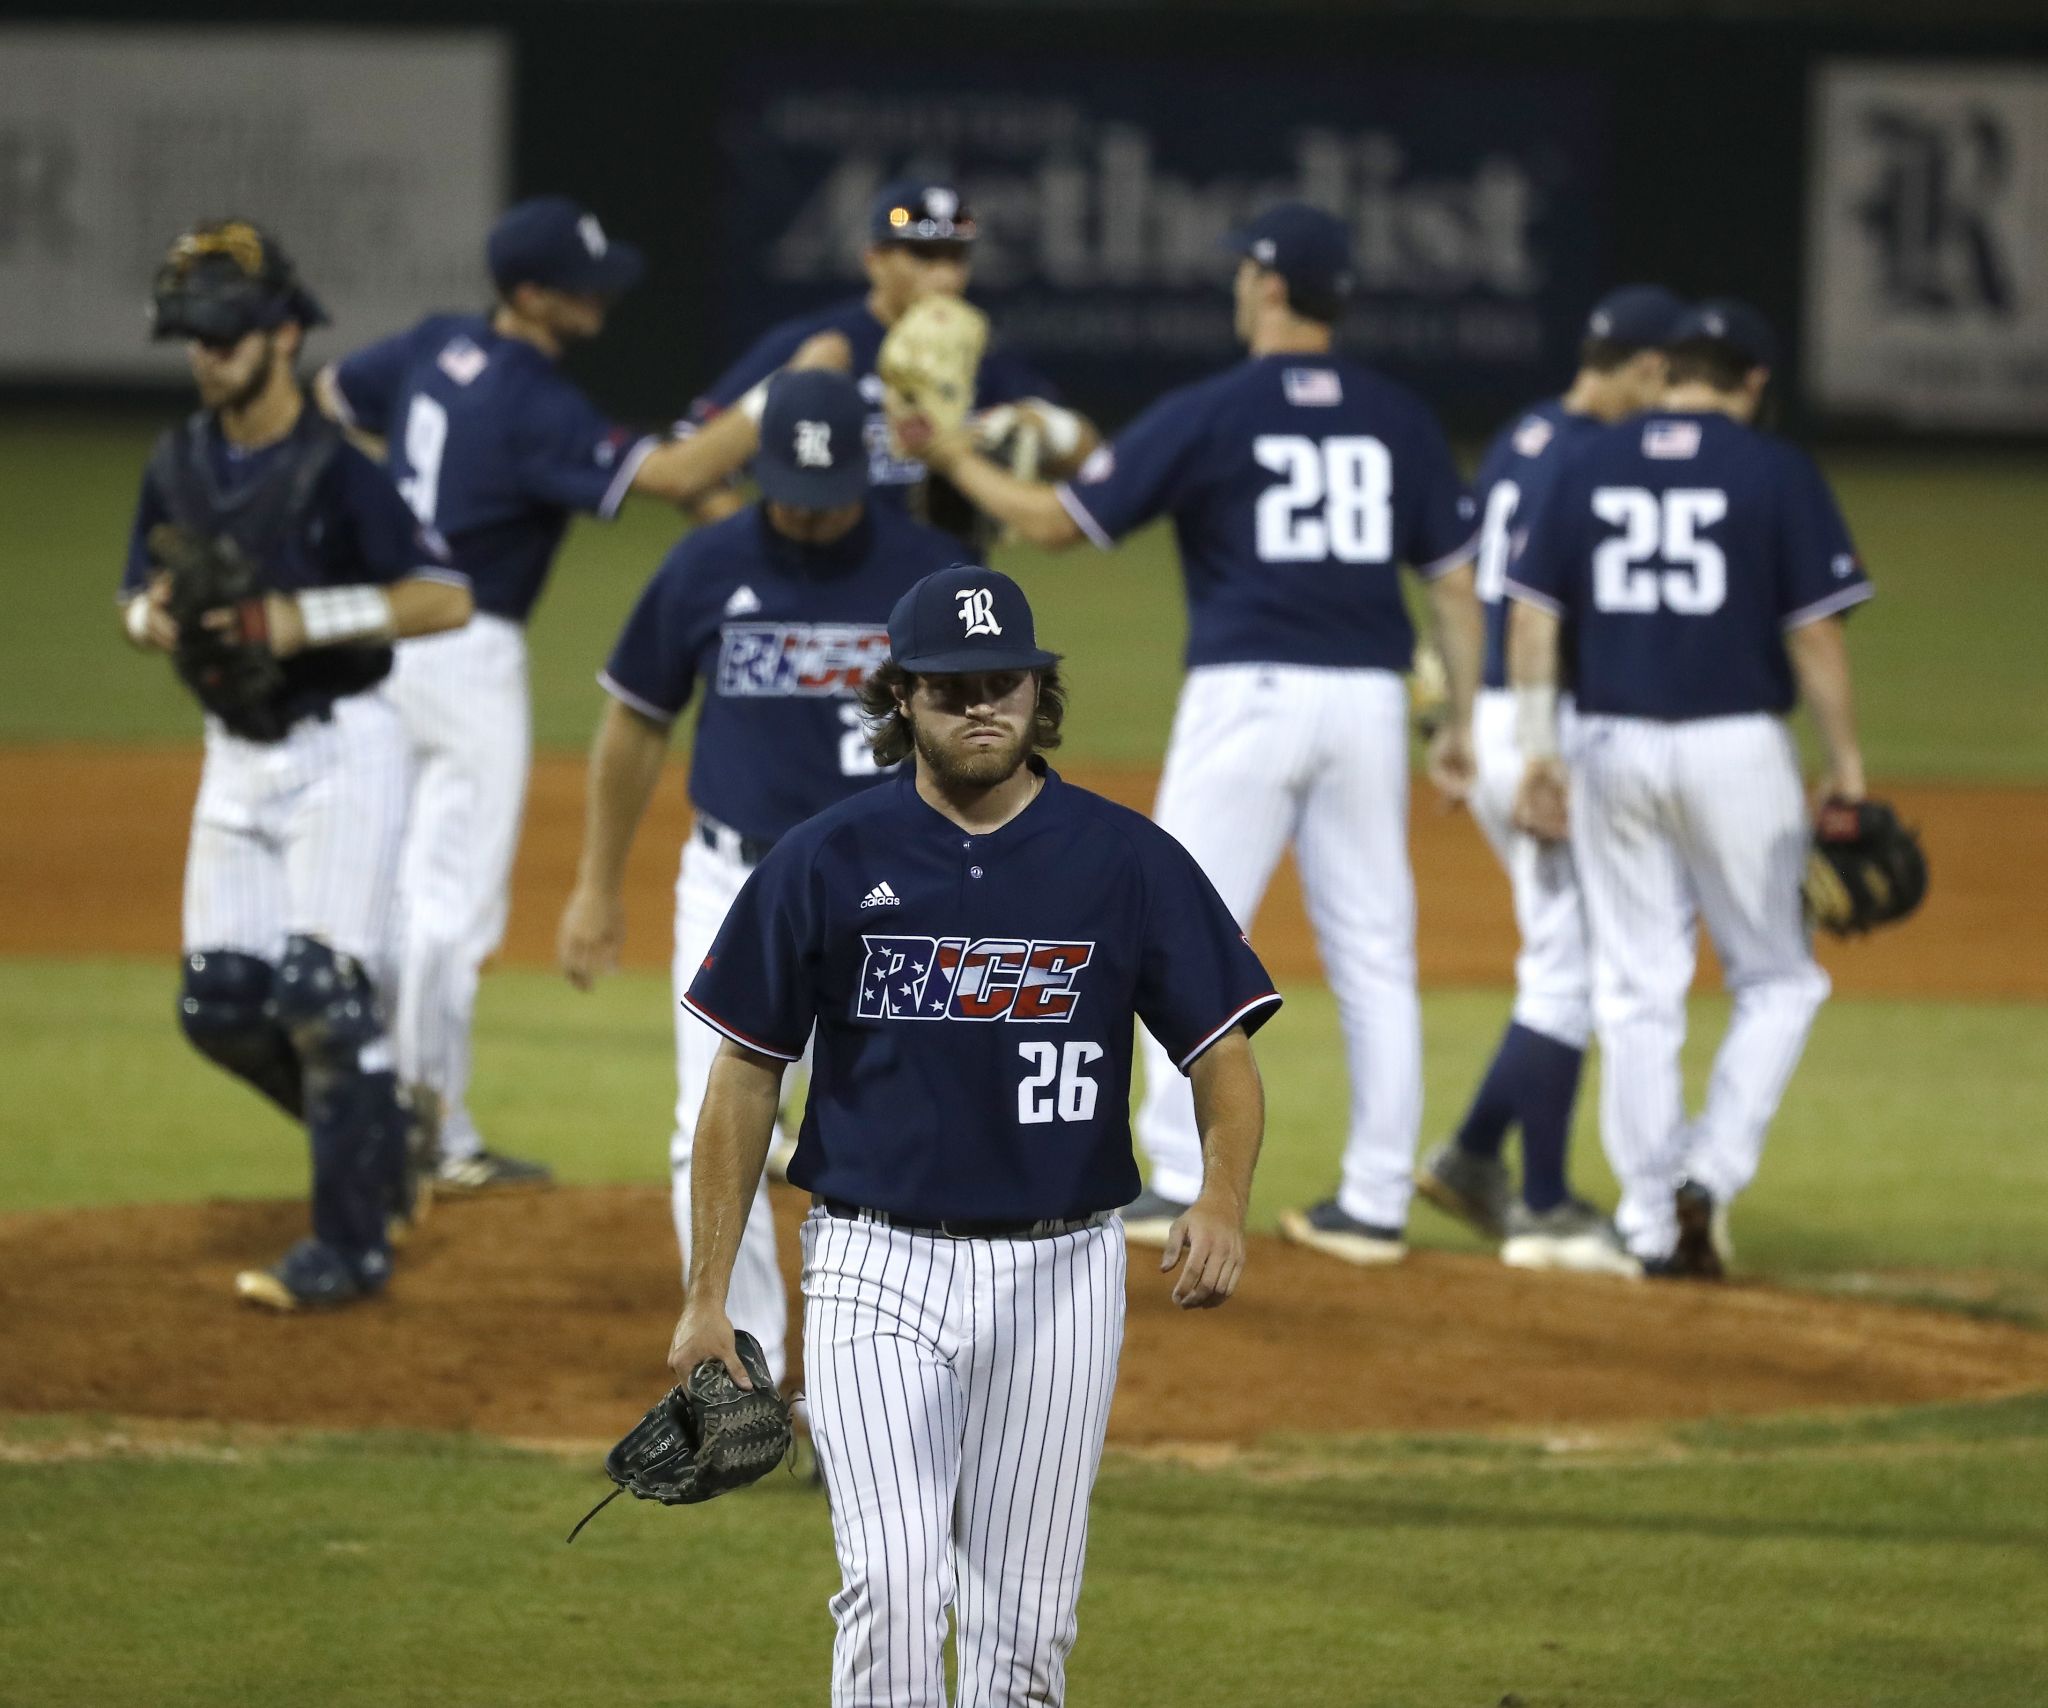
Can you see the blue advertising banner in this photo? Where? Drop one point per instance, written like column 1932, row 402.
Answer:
column 1478, row 201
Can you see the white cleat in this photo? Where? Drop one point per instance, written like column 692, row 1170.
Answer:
column 1326, row 1228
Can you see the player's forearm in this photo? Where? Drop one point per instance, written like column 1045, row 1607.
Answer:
column 625, row 765
column 731, row 1149
column 1029, row 508
column 1460, row 636
column 1532, row 673
column 686, row 471
column 1230, row 1112
column 1820, row 659
column 1070, row 439
column 423, row 607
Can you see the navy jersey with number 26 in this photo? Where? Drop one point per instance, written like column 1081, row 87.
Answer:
column 974, row 995
column 1683, row 547
column 1298, row 486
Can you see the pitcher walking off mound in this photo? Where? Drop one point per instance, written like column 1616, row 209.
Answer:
column 971, row 941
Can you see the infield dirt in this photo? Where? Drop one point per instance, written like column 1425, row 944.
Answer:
column 546, row 1317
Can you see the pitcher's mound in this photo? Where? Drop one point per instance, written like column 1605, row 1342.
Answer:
column 548, row 1316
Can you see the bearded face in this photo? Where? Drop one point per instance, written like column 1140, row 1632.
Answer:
column 973, row 731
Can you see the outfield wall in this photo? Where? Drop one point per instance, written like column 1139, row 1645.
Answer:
column 1498, row 170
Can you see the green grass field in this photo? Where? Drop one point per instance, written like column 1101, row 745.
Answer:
column 1864, row 1561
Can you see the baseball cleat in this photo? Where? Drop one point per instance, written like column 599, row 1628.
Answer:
column 1326, row 1228
column 1702, row 1232
column 311, row 1276
column 491, row 1171
column 1472, row 1189
column 413, row 1194
column 1149, row 1218
column 1569, row 1236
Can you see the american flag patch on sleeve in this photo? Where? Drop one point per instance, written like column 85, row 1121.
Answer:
column 1312, row 388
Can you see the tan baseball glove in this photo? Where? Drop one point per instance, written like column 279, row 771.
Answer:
column 928, row 364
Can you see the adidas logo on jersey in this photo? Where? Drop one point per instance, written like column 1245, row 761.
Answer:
column 742, row 601
column 882, row 896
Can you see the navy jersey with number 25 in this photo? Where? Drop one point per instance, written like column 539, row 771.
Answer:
column 1298, row 486
column 1683, row 547
column 974, row 995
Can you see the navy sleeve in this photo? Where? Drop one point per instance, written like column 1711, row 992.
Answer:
column 1007, row 378
column 755, row 985
column 1819, row 574
column 768, row 352
column 570, row 455
column 1145, row 472
column 370, row 380
column 653, row 667
column 1197, row 975
column 1442, row 530
column 1540, row 568
column 149, row 510
column 388, row 542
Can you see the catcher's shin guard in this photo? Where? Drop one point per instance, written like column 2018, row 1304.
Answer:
column 353, row 1113
column 224, row 1007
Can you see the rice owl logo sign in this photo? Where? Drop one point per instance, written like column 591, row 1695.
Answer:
column 1927, row 278
column 1477, row 203
column 986, row 979
column 978, row 611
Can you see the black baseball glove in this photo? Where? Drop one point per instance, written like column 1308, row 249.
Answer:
column 707, row 1436
column 1866, row 868
column 230, row 670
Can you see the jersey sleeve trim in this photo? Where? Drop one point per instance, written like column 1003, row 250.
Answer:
column 1838, row 601
column 436, row 572
column 1529, row 596
column 625, row 696
column 1070, row 501
column 344, row 411
column 1270, row 1000
column 737, row 1036
column 622, row 482
column 1450, row 560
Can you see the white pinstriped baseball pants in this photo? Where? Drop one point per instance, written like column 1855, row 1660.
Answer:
column 300, row 837
column 1671, row 822
column 959, row 1394
column 463, row 697
column 706, row 885
column 1263, row 755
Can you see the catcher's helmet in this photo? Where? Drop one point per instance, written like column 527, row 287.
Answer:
column 226, row 278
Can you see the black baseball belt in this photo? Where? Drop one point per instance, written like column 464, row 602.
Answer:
column 750, row 850
column 1050, row 1227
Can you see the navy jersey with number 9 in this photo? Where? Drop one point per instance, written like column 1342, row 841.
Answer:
column 1683, row 547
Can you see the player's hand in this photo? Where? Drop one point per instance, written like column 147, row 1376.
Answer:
column 1843, row 782
column 1540, row 801
column 593, row 929
column 283, row 630
column 702, row 1334
column 1451, row 763
column 1210, row 1235
column 830, row 351
column 153, row 626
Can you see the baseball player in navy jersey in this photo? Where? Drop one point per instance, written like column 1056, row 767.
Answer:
column 921, row 238
column 1705, row 571
column 1532, row 1082
column 293, row 859
column 781, row 613
column 966, row 947
column 491, row 443
column 1298, row 482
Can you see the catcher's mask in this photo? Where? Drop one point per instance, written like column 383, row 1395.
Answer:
column 225, row 279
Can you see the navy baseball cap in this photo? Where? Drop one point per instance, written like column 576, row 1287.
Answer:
column 916, row 210
column 1642, row 316
column 813, row 454
column 1307, row 247
column 964, row 620
column 1734, row 325
column 551, row 240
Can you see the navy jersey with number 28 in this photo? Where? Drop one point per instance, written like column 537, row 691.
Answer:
column 974, row 995
column 1683, row 547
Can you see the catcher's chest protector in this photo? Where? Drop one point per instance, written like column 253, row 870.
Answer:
column 262, row 514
